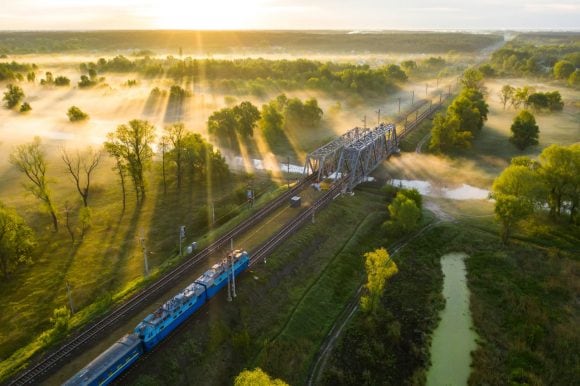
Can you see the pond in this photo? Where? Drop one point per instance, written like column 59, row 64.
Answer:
column 454, row 338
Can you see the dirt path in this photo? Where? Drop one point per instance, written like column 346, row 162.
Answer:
column 422, row 142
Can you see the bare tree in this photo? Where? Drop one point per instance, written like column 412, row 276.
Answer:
column 67, row 212
column 30, row 160
column 81, row 167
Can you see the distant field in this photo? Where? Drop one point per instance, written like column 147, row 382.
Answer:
column 240, row 41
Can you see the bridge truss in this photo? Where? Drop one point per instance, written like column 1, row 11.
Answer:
column 353, row 155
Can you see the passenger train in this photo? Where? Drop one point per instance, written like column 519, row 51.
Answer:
column 156, row 326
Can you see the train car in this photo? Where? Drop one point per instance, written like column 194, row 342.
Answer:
column 216, row 277
column 156, row 326
column 112, row 362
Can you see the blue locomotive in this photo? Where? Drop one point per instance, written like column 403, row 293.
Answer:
column 156, row 326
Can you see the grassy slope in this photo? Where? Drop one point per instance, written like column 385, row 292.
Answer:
column 284, row 308
column 106, row 265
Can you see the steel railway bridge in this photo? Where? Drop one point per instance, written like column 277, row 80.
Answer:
column 355, row 154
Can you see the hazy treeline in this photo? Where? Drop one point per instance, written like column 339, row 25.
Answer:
column 558, row 61
column 13, row 70
column 256, row 75
column 202, row 42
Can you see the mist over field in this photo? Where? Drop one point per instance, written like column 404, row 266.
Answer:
column 120, row 150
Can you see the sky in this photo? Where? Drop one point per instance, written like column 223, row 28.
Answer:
column 289, row 14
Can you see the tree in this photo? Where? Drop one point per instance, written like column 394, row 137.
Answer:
column 515, row 191
column 472, row 78
column 506, row 94
column 555, row 102
column 574, row 79
column 30, row 160
column 525, row 131
column 85, row 82
column 404, row 215
column 509, row 210
column 409, row 66
column 25, row 107
column 379, row 268
column 272, row 120
column 476, row 97
column 13, row 96
column 467, row 114
column 81, row 167
column 312, row 113
column 75, row 114
column 521, row 96
column 538, row 101
column 222, row 124
column 563, row 69
column 132, row 144
column 442, row 133
column 247, row 115
column 61, row 81
column 559, row 171
column 163, row 147
column 121, row 169
column 17, row 241
column 257, row 377
column 175, row 135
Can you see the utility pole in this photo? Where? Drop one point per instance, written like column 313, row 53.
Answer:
column 233, row 277
column 232, row 243
column 229, row 282
column 70, row 301
column 426, row 88
column 146, row 263
column 378, row 116
column 412, row 97
column 181, row 237
column 364, row 121
column 399, row 98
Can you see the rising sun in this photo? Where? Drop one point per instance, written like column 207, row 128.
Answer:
column 206, row 14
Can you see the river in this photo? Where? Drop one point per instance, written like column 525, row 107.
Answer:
column 454, row 338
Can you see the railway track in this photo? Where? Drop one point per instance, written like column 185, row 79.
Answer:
column 287, row 230
column 257, row 255
column 46, row 365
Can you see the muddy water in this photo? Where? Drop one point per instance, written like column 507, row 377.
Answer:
column 454, row 338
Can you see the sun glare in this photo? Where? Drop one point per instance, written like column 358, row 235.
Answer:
column 206, row 14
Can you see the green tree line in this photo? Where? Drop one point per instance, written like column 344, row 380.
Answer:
column 527, row 186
